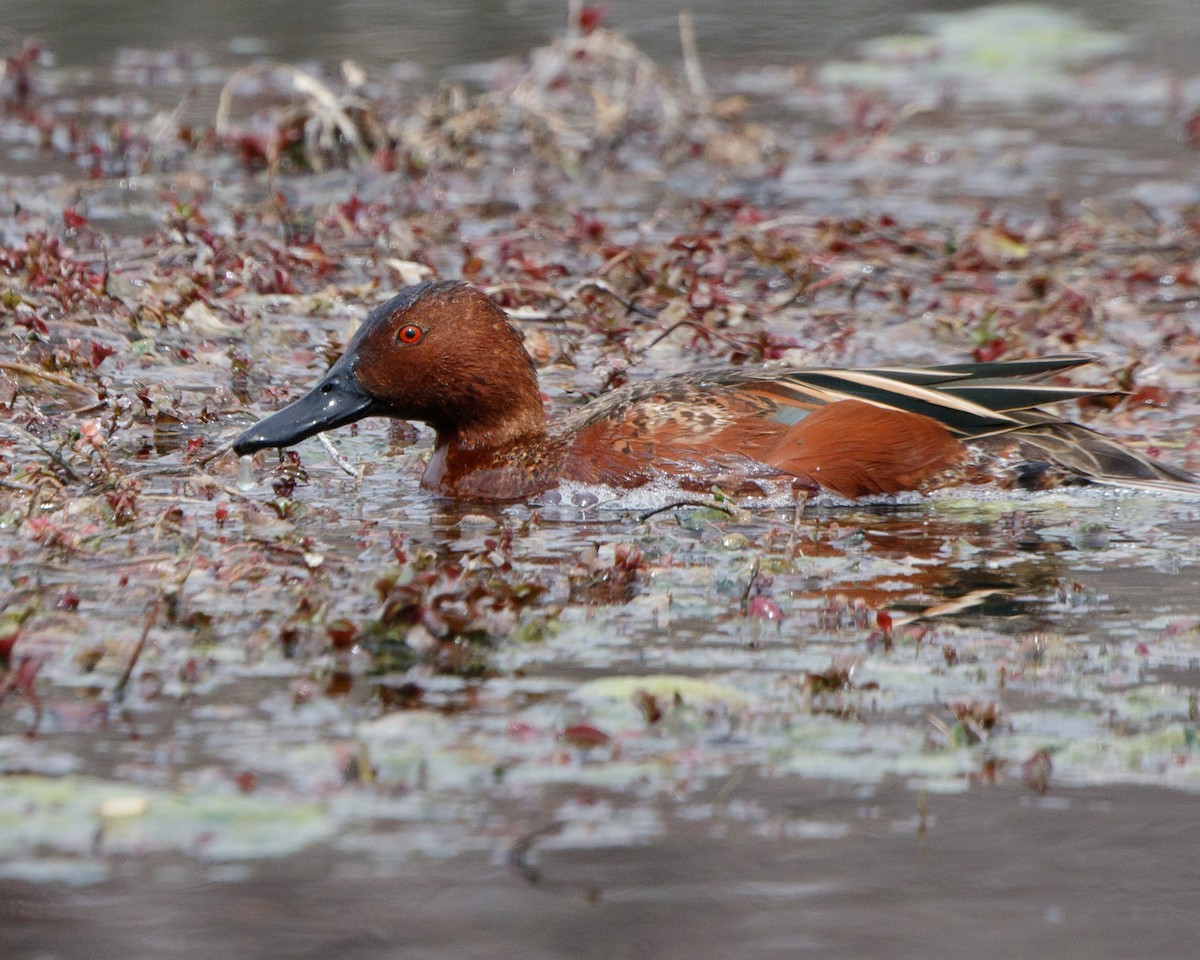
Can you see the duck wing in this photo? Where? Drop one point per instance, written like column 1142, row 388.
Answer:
column 854, row 432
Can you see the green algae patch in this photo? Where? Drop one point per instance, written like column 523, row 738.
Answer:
column 1001, row 52
column 824, row 747
column 1167, row 756
column 81, row 815
column 689, row 691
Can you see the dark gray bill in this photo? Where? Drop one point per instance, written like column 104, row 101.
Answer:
column 334, row 402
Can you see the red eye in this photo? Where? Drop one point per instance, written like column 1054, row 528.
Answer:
column 411, row 334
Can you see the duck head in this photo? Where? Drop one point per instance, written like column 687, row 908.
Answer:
column 441, row 353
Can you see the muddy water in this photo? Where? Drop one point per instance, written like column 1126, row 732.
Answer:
column 699, row 736
column 813, row 871
column 755, row 818
column 449, row 35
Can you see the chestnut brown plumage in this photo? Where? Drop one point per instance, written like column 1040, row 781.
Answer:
column 445, row 354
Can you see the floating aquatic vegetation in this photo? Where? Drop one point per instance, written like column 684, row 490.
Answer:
column 190, row 647
column 999, row 52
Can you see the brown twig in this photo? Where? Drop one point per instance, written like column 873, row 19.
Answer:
column 46, row 376
column 797, row 513
column 750, row 584
column 595, row 283
column 14, row 485
column 89, row 408
column 222, row 449
column 54, row 455
column 699, row 504
column 119, row 689
column 337, row 457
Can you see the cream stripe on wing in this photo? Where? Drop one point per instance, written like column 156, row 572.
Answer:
column 885, row 385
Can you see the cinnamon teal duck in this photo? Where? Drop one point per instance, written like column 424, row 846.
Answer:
column 444, row 354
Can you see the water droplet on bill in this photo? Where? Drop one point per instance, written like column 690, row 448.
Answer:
column 245, row 474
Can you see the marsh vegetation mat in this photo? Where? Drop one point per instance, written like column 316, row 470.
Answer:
column 594, row 726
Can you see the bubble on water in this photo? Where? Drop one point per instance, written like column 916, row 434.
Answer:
column 245, row 474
